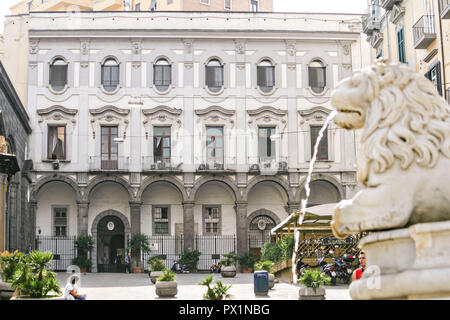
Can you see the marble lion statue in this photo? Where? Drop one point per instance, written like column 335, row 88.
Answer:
column 404, row 160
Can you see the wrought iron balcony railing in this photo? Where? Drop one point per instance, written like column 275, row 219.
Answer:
column 111, row 163
column 272, row 164
column 388, row 4
column 151, row 163
column 370, row 21
column 215, row 164
column 444, row 6
column 424, row 32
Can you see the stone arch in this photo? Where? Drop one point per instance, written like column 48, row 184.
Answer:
column 317, row 177
column 100, row 179
column 56, row 178
column 263, row 212
column 94, row 231
column 280, row 181
column 230, row 184
column 171, row 180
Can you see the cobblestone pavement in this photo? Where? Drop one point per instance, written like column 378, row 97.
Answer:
column 120, row 286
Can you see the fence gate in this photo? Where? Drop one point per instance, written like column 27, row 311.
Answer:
column 63, row 249
column 169, row 248
column 212, row 248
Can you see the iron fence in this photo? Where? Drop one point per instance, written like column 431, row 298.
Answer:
column 62, row 248
column 213, row 248
column 168, row 248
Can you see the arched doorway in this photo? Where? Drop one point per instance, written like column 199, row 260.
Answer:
column 259, row 226
column 110, row 244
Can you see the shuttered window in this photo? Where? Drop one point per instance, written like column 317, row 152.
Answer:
column 434, row 75
column 162, row 75
column 58, row 75
column 322, row 152
column 160, row 220
column 401, row 45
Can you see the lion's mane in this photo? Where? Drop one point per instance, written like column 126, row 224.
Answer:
column 406, row 121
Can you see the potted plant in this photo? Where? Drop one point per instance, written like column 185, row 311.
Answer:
column 228, row 265
column 84, row 245
column 156, row 266
column 9, row 263
column 138, row 243
column 217, row 292
column 190, row 258
column 166, row 286
column 247, row 262
column 313, row 281
column 269, row 267
column 34, row 279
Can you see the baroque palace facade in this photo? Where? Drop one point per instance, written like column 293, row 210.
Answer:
column 173, row 123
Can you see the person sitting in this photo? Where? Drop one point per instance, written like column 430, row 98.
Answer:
column 71, row 290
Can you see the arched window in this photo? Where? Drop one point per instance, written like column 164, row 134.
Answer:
column 58, row 74
column 317, row 76
column 162, row 75
column 110, row 75
column 214, row 75
column 266, row 76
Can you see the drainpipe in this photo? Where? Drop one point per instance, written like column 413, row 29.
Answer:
column 444, row 83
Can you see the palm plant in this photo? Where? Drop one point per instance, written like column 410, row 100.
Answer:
column 265, row 265
column 314, row 278
column 138, row 243
column 9, row 263
column 230, row 259
column 168, row 275
column 217, row 292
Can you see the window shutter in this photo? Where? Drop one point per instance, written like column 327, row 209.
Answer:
column 438, row 78
column 209, row 76
column 312, row 77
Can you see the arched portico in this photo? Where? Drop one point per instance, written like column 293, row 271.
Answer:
column 94, row 232
column 329, row 180
column 101, row 179
column 56, row 178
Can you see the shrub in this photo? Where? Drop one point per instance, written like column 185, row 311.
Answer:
column 217, row 292
column 190, row 258
column 286, row 246
column 168, row 275
column 230, row 259
column 271, row 252
column 314, row 278
column 84, row 244
column 156, row 264
column 139, row 242
column 247, row 260
column 33, row 277
column 265, row 265
column 9, row 263
column 82, row 262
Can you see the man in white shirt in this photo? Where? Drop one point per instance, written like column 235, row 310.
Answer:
column 70, row 291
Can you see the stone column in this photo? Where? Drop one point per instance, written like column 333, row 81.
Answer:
column 32, row 209
column 82, row 218
column 135, row 214
column 241, row 227
column 3, row 201
column 13, row 215
column 188, row 225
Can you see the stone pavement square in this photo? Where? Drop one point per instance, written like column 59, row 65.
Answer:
column 120, row 286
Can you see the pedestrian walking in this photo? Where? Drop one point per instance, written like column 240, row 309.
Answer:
column 105, row 263
column 128, row 262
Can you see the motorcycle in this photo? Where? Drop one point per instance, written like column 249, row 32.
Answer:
column 301, row 266
column 178, row 268
column 327, row 268
column 346, row 268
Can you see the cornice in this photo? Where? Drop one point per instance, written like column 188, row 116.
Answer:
column 267, row 109
column 226, row 112
column 109, row 108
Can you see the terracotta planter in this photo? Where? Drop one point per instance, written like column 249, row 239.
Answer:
column 155, row 275
column 137, row 270
column 6, row 292
column 249, row 270
column 228, row 272
column 309, row 293
column 166, row 289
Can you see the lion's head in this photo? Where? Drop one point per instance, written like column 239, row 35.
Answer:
column 403, row 117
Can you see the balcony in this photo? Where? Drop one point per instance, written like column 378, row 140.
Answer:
column 388, row 4
column 151, row 163
column 216, row 164
column 376, row 39
column 370, row 21
column 104, row 164
column 268, row 165
column 424, row 32
column 108, row 5
column 444, row 5
column 63, row 5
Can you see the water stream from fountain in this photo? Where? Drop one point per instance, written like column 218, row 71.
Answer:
column 308, row 190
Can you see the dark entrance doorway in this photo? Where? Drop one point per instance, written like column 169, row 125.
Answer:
column 259, row 233
column 111, row 245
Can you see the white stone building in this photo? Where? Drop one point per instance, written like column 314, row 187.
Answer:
column 172, row 123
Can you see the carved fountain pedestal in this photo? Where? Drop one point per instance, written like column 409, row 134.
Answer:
column 410, row 263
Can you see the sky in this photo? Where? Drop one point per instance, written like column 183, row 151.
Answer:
column 325, row 6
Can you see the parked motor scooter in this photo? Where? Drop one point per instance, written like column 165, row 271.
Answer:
column 178, row 268
column 301, row 266
column 346, row 269
column 327, row 268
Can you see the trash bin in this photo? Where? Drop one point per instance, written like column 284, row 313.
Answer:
column 261, row 283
